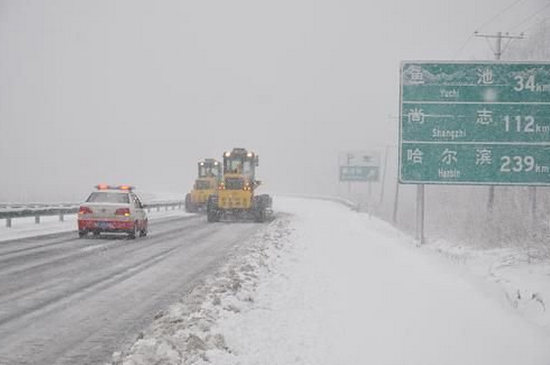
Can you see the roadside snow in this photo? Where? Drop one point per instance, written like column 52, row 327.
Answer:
column 185, row 333
column 325, row 285
column 517, row 278
column 26, row 227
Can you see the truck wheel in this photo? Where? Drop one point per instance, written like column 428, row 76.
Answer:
column 212, row 216
column 189, row 208
column 212, row 213
column 260, row 215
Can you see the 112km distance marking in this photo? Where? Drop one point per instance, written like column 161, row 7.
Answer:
column 524, row 124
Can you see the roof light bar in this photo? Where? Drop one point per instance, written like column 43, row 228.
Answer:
column 112, row 187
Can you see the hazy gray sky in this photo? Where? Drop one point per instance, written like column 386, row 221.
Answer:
column 138, row 91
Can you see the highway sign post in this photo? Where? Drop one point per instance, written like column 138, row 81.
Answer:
column 483, row 123
column 479, row 123
column 359, row 166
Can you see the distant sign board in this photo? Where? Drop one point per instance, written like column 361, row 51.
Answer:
column 475, row 123
column 359, row 166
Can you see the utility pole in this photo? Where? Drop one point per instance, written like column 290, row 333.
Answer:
column 499, row 37
column 498, row 51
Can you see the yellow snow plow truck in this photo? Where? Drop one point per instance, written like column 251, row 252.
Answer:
column 210, row 175
column 236, row 197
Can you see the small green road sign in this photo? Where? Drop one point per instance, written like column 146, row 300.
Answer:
column 359, row 166
column 475, row 123
column 359, row 173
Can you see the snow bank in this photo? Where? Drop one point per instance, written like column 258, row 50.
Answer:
column 325, row 285
column 187, row 333
column 517, row 277
column 26, row 227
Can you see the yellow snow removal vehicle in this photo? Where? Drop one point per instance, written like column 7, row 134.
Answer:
column 210, row 174
column 236, row 196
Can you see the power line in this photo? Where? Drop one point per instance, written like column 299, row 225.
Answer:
column 463, row 45
column 530, row 17
column 527, row 28
column 500, row 13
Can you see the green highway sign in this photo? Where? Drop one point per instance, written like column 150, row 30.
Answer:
column 359, row 166
column 359, row 173
column 475, row 163
column 475, row 123
column 489, row 82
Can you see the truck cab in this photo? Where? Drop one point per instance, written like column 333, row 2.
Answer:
column 206, row 184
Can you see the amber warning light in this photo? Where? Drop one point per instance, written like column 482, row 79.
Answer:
column 111, row 187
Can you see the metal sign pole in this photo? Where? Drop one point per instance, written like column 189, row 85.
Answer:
column 533, row 200
column 382, row 187
column 420, row 214
column 395, row 203
column 370, row 203
column 370, row 189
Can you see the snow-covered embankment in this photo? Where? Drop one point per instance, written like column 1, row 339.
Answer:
column 325, row 285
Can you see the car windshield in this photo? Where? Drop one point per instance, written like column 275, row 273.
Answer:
column 103, row 197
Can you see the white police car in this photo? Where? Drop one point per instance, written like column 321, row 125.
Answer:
column 112, row 209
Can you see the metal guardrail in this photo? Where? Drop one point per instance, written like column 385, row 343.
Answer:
column 35, row 205
column 10, row 211
column 177, row 204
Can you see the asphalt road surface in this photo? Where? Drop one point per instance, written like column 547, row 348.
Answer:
column 65, row 300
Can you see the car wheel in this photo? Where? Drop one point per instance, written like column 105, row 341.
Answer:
column 144, row 232
column 134, row 232
column 82, row 234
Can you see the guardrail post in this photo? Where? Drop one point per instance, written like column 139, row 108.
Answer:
column 8, row 222
column 61, row 217
column 158, row 208
column 37, row 219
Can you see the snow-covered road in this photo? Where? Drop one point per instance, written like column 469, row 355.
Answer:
column 325, row 285
column 65, row 300
column 320, row 285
